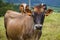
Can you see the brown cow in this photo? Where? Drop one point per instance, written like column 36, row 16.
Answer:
column 20, row 27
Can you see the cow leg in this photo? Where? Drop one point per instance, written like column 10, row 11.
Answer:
column 8, row 38
column 7, row 35
column 5, row 24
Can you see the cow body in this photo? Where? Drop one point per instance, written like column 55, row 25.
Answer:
column 20, row 27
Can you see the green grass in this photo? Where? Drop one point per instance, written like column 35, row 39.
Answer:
column 2, row 29
column 50, row 31
column 51, row 28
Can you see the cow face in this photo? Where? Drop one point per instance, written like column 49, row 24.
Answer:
column 38, row 18
column 40, row 15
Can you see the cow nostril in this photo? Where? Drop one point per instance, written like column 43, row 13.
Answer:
column 39, row 27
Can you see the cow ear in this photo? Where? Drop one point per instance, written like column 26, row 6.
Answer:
column 49, row 11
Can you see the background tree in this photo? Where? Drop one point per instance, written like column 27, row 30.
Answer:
column 4, row 6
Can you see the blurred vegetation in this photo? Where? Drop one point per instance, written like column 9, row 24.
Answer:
column 4, row 6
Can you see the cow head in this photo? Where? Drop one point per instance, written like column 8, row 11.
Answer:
column 39, row 16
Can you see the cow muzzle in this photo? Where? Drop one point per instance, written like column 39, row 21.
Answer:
column 38, row 27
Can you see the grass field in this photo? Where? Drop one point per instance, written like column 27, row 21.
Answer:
column 50, row 31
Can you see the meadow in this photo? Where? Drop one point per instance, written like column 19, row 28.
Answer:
column 50, row 31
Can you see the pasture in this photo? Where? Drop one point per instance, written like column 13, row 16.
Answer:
column 50, row 31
